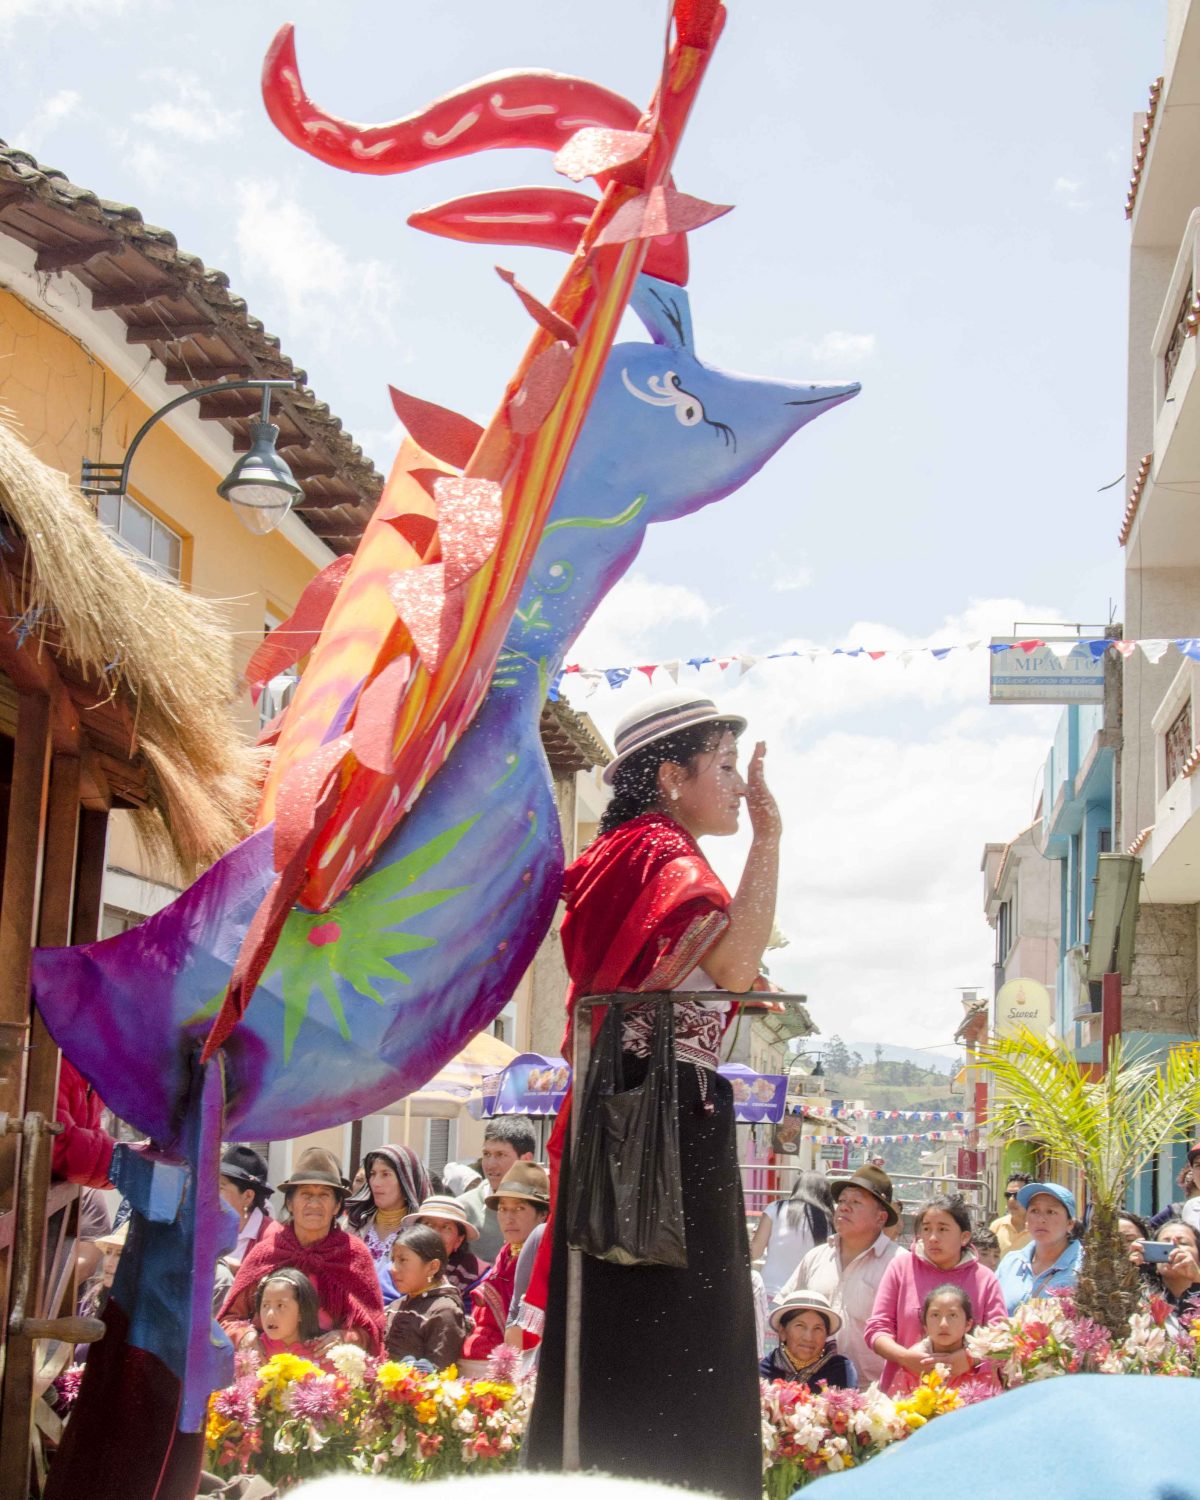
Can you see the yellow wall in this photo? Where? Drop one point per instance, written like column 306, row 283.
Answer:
column 67, row 405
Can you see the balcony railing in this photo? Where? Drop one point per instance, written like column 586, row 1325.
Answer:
column 1180, row 315
column 1185, row 328
column 1174, row 725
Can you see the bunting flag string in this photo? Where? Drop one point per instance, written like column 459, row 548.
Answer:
column 1079, row 648
column 964, row 1116
column 888, row 1140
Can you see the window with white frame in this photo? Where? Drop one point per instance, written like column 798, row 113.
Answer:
column 281, row 689
column 440, row 1144
column 152, row 542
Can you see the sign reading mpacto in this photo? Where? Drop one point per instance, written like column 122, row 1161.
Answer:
column 1044, row 674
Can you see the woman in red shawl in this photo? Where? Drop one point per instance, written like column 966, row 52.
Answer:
column 669, row 1374
column 338, row 1265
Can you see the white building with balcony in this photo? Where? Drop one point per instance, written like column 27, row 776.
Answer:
column 1158, row 802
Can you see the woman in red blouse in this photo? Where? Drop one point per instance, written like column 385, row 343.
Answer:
column 669, row 1373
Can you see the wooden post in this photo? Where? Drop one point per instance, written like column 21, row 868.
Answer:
column 89, row 875
column 24, row 848
column 1110, row 1015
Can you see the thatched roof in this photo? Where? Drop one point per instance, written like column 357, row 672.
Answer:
column 112, row 635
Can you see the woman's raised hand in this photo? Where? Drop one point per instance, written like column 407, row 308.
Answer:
column 760, row 803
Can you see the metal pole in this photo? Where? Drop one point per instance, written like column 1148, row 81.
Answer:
column 581, row 1048
column 581, row 1057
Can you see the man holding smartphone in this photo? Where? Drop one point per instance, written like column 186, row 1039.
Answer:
column 1172, row 1260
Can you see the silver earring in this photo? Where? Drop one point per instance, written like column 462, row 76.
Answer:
column 674, row 794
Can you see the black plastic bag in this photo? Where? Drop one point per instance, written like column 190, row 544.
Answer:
column 626, row 1198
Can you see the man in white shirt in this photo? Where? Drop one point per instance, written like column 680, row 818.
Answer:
column 506, row 1141
column 849, row 1266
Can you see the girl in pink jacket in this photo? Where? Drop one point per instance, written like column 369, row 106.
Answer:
column 948, row 1317
column 941, row 1254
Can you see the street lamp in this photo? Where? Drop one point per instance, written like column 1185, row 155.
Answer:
column 260, row 487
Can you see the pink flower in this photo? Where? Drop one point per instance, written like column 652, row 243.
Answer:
column 314, row 1398
column 1089, row 1337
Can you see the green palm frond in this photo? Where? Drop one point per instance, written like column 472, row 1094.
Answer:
column 1107, row 1127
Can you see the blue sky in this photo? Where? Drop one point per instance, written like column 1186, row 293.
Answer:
column 929, row 199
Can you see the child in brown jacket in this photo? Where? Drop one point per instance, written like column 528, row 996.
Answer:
column 428, row 1321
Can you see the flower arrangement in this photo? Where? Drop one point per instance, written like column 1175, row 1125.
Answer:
column 808, row 1433
column 291, row 1419
column 1048, row 1336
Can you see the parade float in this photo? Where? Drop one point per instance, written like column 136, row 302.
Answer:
column 327, row 965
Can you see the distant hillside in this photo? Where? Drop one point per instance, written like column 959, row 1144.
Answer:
column 907, row 1079
column 938, row 1061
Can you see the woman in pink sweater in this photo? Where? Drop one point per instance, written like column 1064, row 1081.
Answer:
column 941, row 1254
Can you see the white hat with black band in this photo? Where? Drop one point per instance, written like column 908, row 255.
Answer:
column 663, row 715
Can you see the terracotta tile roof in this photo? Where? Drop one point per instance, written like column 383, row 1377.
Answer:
column 569, row 741
column 1139, row 159
column 186, row 316
column 1135, row 498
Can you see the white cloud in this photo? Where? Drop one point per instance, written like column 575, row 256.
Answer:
column 890, row 779
column 149, row 163
column 1069, row 192
column 792, row 580
column 62, row 105
column 841, row 348
column 87, row 12
column 190, row 112
column 381, row 443
column 633, row 615
column 327, row 294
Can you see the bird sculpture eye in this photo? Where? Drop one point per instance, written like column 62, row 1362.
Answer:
column 688, row 410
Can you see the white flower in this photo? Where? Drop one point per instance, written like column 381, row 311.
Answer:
column 465, row 1421
column 350, row 1362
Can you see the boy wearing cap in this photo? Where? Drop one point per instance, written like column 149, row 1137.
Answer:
column 521, row 1203
column 849, row 1266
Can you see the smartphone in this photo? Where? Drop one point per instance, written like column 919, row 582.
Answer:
column 1156, row 1252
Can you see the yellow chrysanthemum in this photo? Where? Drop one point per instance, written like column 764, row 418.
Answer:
column 216, row 1428
column 389, row 1375
column 427, row 1412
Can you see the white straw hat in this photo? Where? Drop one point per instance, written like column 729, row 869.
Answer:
column 665, row 714
column 441, row 1207
column 806, row 1301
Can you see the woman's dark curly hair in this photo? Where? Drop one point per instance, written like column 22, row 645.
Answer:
column 635, row 785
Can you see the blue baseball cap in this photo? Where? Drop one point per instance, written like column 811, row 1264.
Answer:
column 1064, row 1195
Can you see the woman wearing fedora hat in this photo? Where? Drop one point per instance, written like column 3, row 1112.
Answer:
column 338, row 1265
column 521, row 1203
column 245, row 1188
column 807, row 1353
column 645, row 912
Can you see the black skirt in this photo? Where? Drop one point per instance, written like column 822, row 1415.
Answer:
column 669, row 1359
